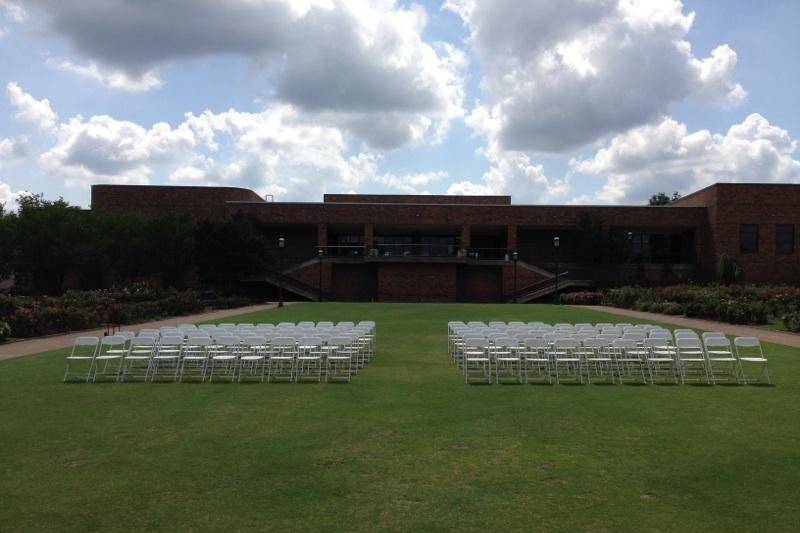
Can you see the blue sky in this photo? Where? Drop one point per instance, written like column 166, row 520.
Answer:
column 567, row 101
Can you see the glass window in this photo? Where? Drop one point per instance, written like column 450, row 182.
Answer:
column 748, row 238
column 784, row 238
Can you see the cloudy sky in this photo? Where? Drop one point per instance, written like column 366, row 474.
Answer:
column 550, row 101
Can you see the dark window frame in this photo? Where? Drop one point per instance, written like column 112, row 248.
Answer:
column 784, row 246
column 748, row 238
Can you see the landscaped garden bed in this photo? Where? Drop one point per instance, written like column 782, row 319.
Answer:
column 33, row 316
column 736, row 304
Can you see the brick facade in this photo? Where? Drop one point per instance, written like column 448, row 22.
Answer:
column 706, row 222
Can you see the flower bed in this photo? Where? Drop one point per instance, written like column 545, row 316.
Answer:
column 33, row 316
column 736, row 304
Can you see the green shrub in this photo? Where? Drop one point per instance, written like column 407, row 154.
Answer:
column 5, row 330
column 672, row 308
column 582, row 298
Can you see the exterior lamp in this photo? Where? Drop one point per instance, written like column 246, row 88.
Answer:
column 320, row 254
column 556, row 245
column 281, row 245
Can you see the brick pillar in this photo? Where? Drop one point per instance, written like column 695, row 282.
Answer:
column 369, row 236
column 322, row 235
column 511, row 239
column 465, row 236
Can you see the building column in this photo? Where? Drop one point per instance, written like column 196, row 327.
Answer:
column 466, row 235
column 369, row 236
column 322, row 235
column 511, row 239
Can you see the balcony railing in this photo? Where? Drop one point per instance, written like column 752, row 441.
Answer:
column 417, row 250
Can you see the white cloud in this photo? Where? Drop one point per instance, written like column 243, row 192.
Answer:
column 665, row 155
column 103, row 149
column 9, row 198
column 12, row 150
column 13, row 11
column 31, row 110
column 364, row 61
column 559, row 74
column 114, row 79
column 281, row 150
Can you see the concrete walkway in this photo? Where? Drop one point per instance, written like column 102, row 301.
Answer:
column 766, row 335
column 54, row 342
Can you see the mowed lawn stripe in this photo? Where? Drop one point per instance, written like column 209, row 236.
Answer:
column 405, row 446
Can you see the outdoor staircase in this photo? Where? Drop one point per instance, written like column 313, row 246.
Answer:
column 289, row 284
column 547, row 287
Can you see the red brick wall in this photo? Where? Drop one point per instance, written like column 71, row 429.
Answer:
column 415, row 199
column 480, row 283
column 354, row 283
column 417, row 282
column 200, row 202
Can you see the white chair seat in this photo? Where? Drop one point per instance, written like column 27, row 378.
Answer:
column 753, row 359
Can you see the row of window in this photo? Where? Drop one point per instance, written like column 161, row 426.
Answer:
column 784, row 238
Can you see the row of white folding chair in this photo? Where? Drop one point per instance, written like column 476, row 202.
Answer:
column 506, row 357
column 145, row 357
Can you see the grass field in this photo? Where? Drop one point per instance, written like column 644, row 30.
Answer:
column 405, row 446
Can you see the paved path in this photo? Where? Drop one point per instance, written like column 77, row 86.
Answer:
column 45, row 344
column 766, row 335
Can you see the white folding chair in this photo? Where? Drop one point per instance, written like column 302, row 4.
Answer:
column 721, row 359
column 138, row 358
column 84, row 350
column 477, row 363
column 567, row 360
column 282, row 359
column 253, row 358
column 692, row 360
column 536, row 359
column 108, row 361
column 749, row 352
column 194, row 363
column 598, row 360
column 224, row 357
column 167, row 356
column 339, row 359
column 309, row 359
column 662, row 360
column 630, row 359
column 506, row 359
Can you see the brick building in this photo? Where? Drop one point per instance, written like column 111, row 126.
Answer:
column 484, row 248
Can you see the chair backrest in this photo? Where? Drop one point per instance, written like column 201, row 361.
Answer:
column 536, row 343
column 713, row 335
column 325, row 324
column 748, row 347
column 310, row 341
column 476, row 342
column 717, row 342
column 171, row 340
column 113, row 340
column 624, row 344
column 283, row 342
column 87, row 341
column 505, row 342
column 688, row 343
column 595, row 343
column 207, row 326
column 637, row 336
column 656, row 342
column 566, row 344
column 143, row 340
column 227, row 340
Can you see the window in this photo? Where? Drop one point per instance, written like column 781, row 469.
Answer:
column 748, row 238
column 784, row 238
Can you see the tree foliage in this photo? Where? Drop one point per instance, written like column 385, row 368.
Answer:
column 663, row 199
column 49, row 245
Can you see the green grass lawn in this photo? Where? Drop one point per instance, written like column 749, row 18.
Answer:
column 406, row 446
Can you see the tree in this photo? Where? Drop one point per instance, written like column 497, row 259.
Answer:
column 662, row 198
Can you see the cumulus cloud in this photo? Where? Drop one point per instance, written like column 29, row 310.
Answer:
column 113, row 79
column 13, row 11
column 358, row 58
column 12, row 150
column 640, row 162
column 105, row 149
column 560, row 74
column 281, row 150
column 31, row 110
column 9, row 198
